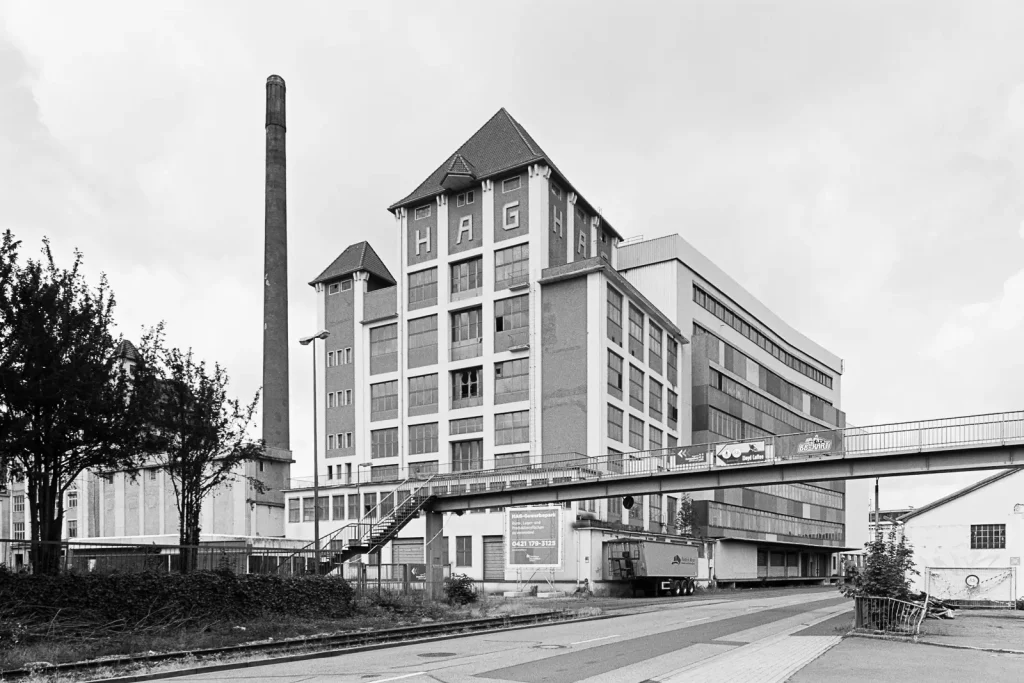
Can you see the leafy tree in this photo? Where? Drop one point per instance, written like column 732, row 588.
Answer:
column 68, row 401
column 203, row 435
column 888, row 570
column 686, row 517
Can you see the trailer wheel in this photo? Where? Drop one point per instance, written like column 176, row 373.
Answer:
column 689, row 587
column 677, row 588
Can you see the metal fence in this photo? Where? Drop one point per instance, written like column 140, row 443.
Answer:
column 993, row 429
column 888, row 615
column 105, row 558
column 394, row 579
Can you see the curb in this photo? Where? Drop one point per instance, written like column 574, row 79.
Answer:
column 213, row 668
column 917, row 641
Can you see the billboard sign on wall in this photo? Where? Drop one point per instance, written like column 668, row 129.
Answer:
column 825, row 442
column 746, row 453
column 534, row 537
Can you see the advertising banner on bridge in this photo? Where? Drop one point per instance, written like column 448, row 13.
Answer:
column 690, row 456
column 824, row 443
column 746, row 453
column 534, row 537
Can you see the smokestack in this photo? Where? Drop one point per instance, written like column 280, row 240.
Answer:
column 275, row 279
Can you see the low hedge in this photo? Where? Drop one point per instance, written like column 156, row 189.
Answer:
column 149, row 597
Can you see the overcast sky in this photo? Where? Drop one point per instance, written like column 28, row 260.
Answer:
column 856, row 165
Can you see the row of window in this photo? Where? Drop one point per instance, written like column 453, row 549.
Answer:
column 654, row 338
column 19, row 529
column 709, row 303
column 656, row 438
column 466, row 278
column 507, row 185
column 741, row 365
column 339, row 398
column 731, row 387
column 655, row 391
column 511, row 384
column 343, row 286
column 509, row 428
column 725, row 516
column 342, row 440
column 732, row 428
column 339, row 357
column 804, row 493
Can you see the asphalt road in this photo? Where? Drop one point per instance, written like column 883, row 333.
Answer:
column 765, row 638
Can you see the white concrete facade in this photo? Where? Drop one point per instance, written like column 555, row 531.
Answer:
column 942, row 536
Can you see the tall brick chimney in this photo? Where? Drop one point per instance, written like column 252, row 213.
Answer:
column 275, row 280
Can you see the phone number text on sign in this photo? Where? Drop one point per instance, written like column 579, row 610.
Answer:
column 535, row 544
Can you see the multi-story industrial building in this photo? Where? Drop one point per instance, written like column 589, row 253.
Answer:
column 520, row 332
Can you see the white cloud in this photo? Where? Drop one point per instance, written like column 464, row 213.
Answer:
column 981, row 321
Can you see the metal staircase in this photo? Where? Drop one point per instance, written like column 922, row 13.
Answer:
column 375, row 529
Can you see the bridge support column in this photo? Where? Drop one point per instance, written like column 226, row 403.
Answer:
column 434, row 551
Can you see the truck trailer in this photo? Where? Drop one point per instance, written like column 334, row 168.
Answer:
column 656, row 567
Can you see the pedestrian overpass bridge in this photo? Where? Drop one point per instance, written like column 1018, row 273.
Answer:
column 959, row 444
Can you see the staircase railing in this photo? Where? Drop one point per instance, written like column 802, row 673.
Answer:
column 353, row 533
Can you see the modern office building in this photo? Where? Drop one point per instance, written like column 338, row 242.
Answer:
column 752, row 376
column 520, row 332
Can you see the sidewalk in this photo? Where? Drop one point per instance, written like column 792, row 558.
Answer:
column 968, row 651
column 856, row 660
column 985, row 629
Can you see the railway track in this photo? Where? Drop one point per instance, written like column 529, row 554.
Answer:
column 308, row 646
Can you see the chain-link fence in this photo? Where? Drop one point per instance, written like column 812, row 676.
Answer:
column 973, row 586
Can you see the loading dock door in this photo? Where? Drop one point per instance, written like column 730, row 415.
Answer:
column 494, row 558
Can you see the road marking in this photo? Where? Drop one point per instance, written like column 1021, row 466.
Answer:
column 580, row 642
column 398, row 678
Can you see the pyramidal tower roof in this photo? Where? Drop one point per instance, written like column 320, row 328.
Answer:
column 359, row 256
column 500, row 145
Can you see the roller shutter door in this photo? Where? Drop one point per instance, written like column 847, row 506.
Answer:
column 410, row 551
column 407, row 551
column 494, row 558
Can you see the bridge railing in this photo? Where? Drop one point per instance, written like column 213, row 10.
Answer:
column 877, row 440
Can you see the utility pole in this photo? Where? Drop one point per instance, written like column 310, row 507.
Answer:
column 878, row 516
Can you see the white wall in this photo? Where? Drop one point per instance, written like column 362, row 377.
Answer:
column 942, row 536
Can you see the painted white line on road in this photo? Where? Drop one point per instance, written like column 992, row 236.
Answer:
column 580, row 642
column 398, row 678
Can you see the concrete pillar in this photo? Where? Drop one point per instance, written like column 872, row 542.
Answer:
column 434, row 552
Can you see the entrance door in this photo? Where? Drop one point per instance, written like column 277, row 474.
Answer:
column 494, row 558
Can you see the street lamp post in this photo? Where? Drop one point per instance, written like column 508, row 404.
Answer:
column 322, row 334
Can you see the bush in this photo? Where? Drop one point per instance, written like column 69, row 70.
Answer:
column 460, row 589
column 151, row 597
column 887, row 570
